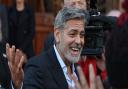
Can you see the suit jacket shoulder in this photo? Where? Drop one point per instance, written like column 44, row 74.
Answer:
column 44, row 72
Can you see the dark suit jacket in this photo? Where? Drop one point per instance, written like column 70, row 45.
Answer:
column 44, row 72
column 22, row 29
column 4, row 71
column 4, row 24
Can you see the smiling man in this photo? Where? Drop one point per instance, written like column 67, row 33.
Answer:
column 53, row 69
column 70, row 42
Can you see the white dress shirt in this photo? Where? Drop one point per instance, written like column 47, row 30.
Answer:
column 70, row 82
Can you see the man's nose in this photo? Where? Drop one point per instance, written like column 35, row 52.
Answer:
column 78, row 39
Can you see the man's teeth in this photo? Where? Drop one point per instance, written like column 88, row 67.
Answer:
column 75, row 49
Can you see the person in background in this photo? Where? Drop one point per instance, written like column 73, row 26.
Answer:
column 3, row 26
column 4, row 70
column 116, row 52
column 116, row 55
column 21, row 27
column 80, row 4
column 123, row 18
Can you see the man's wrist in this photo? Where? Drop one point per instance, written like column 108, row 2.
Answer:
column 16, row 86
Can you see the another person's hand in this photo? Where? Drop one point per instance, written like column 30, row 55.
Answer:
column 16, row 60
column 100, row 61
column 95, row 82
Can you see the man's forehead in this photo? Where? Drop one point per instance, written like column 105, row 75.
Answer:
column 77, row 0
column 75, row 24
column 70, row 1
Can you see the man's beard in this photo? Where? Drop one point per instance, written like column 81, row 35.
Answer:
column 71, row 58
column 67, row 54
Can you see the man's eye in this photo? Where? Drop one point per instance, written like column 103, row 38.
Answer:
column 72, row 34
column 82, row 35
column 80, row 3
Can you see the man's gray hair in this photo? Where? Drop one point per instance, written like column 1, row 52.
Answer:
column 66, row 14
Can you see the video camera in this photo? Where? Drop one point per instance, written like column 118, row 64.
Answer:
column 94, row 35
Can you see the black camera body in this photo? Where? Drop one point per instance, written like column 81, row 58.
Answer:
column 94, row 36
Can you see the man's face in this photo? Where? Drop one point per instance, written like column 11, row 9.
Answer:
column 80, row 4
column 19, row 1
column 70, row 40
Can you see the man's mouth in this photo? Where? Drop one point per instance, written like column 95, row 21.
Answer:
column 75, row 51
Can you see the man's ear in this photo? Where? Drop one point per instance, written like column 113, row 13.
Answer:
column 57, row 34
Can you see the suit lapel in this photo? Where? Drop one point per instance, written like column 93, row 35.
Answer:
column 57, row 71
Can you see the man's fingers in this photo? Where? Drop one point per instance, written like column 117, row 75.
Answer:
column 103, row 56
column 99, row 83
column 92, row 77
column 77, row 84
column 7, row 49
column 10, row 66
column 25, row 57
column 83, row 80
column 17, row 57
column 12, row 54
column 22, row 61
